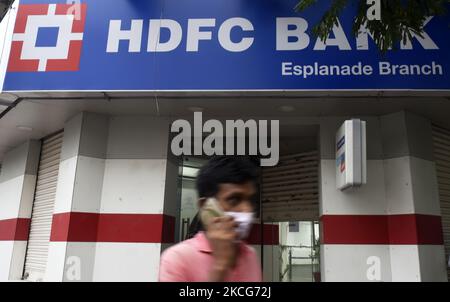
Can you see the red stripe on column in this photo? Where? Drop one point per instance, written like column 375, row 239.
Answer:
column 415, row 229
column 429, row 229
column 270, row 234
column 131, row 228
column 16, row 229
column 74, row 227
column 382, row 229
column 354, row 229
column 94, row 227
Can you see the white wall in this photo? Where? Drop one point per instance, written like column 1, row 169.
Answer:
column 17, row 185
column 114, row 165
column 401, row 180
column 134, row 182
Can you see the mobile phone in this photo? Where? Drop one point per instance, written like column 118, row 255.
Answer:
column 210, row 209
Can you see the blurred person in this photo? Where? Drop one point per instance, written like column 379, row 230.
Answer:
column 216, row 251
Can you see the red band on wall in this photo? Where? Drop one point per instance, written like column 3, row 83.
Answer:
column 94, row 227
column 16, row 229
column 418, row 229
column 382, row 229
column 148, row 228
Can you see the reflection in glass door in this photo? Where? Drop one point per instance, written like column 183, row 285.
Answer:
column 296, row 254
column 189, row 196
column 299, row 251
column 290, row 200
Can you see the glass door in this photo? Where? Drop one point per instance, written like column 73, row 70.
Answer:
column 299, row 251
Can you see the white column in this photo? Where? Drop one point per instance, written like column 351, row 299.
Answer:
column 350, row 220
column 17, row 185
column 77, row 203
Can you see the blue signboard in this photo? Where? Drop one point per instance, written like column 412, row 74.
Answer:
column 141, row 45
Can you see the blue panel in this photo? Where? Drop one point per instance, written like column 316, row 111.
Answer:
column 47, row 37
column 258, row 68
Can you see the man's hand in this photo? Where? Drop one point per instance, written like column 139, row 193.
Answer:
column 221, row 233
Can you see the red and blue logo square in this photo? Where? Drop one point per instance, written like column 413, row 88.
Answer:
column 47, row 37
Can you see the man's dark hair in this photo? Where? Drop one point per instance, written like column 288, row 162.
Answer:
column 225, row 169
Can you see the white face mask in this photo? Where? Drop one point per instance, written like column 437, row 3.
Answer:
column 244, row 220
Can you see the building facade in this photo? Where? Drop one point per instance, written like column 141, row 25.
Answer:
column 90, row 189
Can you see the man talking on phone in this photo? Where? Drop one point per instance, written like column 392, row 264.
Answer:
column 217, row 252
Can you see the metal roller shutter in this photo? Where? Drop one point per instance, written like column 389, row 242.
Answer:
column 44, row 199
column 290, row 190
column 441, row 139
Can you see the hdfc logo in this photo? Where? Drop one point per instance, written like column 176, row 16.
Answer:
column 47, row 37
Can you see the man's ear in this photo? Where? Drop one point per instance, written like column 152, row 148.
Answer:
column 201, row 202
